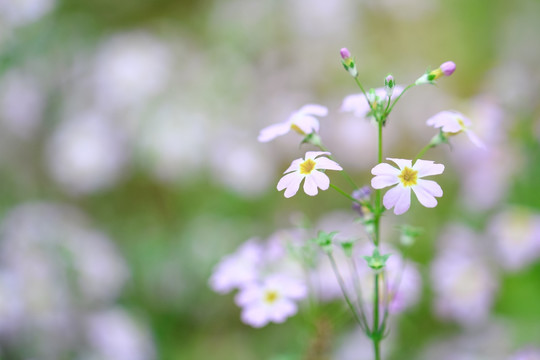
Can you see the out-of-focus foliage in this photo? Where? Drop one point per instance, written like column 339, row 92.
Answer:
column 129, row 167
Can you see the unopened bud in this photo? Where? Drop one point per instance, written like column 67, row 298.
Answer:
column 389, row 84
column 446, row 69
column 348, row 62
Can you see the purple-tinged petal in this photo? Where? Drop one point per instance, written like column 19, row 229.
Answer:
column 357, row 104
column 324, row 163
column 382, row 181
column 273, row 131
column 291, row 182
column 431, row 187
column 447, row 120
column 402, row 163
column 427, row 168
column 281, row 310
column 295, row 165
column 313, row 154
column 255, row 315
column 314, row 109
column 306, row 123
column 320, row 179
column 475, row 139
column 310, row 186
column 424, row 197
column 392, row 196
column 385, row 169
column 404, row 201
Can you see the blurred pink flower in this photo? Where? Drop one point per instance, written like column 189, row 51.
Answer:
column 516, row 233
column 302, row 121
column 238, row 269
column 307, row 169
column 272, row 300
column 453, row 123
column 407, row 177
column 526, row 354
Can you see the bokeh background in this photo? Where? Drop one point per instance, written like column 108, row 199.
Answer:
column 129, row 167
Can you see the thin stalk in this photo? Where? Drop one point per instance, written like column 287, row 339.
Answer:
column 399, row 96
column 354, row 270
column 343, row 172
column 344, row 291
column 363, row 91
column 345, row 194
column 423, row 151
column 376, row 332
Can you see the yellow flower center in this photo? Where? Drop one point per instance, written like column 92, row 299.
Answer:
column 408, row 177
column 271, row 296
column 307, row 167
column 297, row 129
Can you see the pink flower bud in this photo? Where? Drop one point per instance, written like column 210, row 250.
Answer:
column 345, row 53
column 448, row 68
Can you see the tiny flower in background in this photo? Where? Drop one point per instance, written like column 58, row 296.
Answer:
column 516, row 234
column 453, row 123
column 446, row 69
column 302, row 121
column 407, row 177
column 526, row 354
column 308, row 169
column 363, row 194
column 238, row 269
column 273, row 300
column 348, row 62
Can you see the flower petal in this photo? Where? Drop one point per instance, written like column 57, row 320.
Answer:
column 306, row 123
column 382, row 181
column 321, row 179
column 313, row 154
column 273, row 131
column 427, row 168
column 281, row 310
column 310, row 186
column 392, row 196
column 295, row 165
column 356, row 104
column 291, row 182
column 255, row 315
column 475, row 139
column 404, row 201
column 447, row 120
column 385, row 169
column 424, row 197
column 314, row 109
column 327, row 164
column 431, row 187
column 401, row 162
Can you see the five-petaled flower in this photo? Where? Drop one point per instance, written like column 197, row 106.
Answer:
column 273, row 300
column 302, row 121
column 308, row 169
column 453, row 123
column 407, row 177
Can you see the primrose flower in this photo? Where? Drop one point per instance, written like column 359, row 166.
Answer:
column 407, row 177
column 446, row 69
column 302, row 121
column 270, row 301
column 453, row 123
column 308, row 169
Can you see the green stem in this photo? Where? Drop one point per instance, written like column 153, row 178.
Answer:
column 423, row 151
column 363, row 91
column 343, row 172
column 399, row 96
column 345, row 194
column 376, row 332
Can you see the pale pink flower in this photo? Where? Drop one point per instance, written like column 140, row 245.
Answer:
column 407, row 177
column 302, row 121
column 453, row 123
column 308, row 169
column 273, row 300
column 358, row 104
column 526, row 354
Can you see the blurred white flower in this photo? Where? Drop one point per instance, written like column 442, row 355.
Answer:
column 87, row 153
column 516, row 234
column 463, row 283
column 22, row 12
column 113, row 334
column 21, row 104
column 130, row 68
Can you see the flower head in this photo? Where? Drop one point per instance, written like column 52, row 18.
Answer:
column 302, row 121
column 446, row 69
column 270, row 301
column 407, row 177
column 308, row 169
column 348, row 62
column 453, row 123
column 358, row 104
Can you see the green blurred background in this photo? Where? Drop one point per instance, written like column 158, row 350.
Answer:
column 189, row 182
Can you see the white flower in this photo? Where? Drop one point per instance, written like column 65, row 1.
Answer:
column 307, row 168
column 407, row 177
column 303, row 121
column 271, row 300
column 453, row 123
